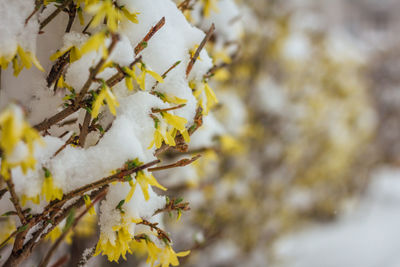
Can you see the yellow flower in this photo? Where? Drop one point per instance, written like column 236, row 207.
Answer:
column 163, row 135
column 185, row 135
column 209, row 5
column 49, row 190
column 130, row 76
column 153, row 252
column 12, row 128
column 108, row 96
column 15, row 129
column 210, row 97
column 138, row 247
column 94, row 43
column 175, row 100
column 34, row 200
column 74, row 54
column 56, row 233
column 88, row 202
column 223, row 56
column 114, row 250
column 104, row 10
column 131, row 191
column 144, row 182
column 142, row 78
column 80, row 15
column 87, row 226
column 6, row 229
column 26, row 58
column 62, row 84
column 170, row 257
column 175, row 121
column 5, row 60
column 131, row 16
column 113, row 14
column 158, row 139
column 222, row 75
column 230, row 144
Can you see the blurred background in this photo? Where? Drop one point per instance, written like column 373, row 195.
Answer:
column 313, row 178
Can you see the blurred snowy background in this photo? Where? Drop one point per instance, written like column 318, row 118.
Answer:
column 365, row 233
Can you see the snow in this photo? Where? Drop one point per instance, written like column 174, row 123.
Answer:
column 13, row 30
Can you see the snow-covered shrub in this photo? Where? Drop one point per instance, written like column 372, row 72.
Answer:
column 116, row 85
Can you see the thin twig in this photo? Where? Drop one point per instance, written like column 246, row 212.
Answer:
column 47, row 123
column 53, row 248
column 171, row 206
column 84, row 129
column 15, row 200
column 161, row 234
column 165, row 73
column 8, row 238
column 140, row 46
column 61, row 261
column 71, row 16
column 38, row 4
column 96, row 69
column 197, row 53
column 179, row 163
column 104, row 181
column 157, row 110
column 54, row 14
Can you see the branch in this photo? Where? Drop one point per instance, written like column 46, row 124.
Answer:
column 161, row 234
column 179, row 140
column 17, row 257
column 84, row 129
column 60, row 262
column 54, row 14
column 143, row 44
column 197, row 53
column 47, row 123
column 172, row 205
column 157, row 110
column 118, row 177
column 71, row 16
column 53, row 248
column 179, row 163
column 15, row 200
column 165, row 73
column 95, row 71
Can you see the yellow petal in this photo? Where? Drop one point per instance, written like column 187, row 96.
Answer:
column 141, row 80
column 185, row 135
column 131, row 16
column 36, row 62
column 98, row 103
column 155, row 75
column 111, row 101
column 176, row 121
column 93, row 43
column 153, row 182
column 24, row 57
